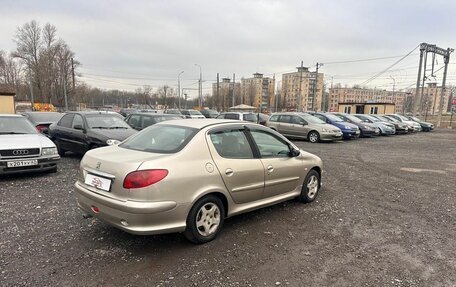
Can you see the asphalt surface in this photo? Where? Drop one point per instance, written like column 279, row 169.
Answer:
column 386, row 216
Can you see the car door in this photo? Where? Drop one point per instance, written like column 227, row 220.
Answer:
column 242, row 173
column 78, row 135
column 299, row 127
column 63, row 130
column 284, row 126
column 283, row 173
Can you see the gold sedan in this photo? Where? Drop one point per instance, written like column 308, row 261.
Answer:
column 188, row 176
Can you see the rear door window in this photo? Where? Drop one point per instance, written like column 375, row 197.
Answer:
column 285, row 119
column 231, row 143
column 269, row 145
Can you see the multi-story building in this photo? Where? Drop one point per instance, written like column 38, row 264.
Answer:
column 299, row 89
column 258, row 92
column 430, row 99
column 358, row 95
column 224, row 98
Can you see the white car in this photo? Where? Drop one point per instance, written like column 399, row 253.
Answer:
column 23, row 148
column 241, row 116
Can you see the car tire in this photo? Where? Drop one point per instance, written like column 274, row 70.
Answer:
column 311, row 187
column 60, row 150
column 205, row 220
column 313, row 137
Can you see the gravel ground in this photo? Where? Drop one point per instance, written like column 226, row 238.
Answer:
column 386, row 216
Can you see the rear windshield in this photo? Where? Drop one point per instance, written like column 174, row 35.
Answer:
column 250, row 117
column 16, row 125
column 160, row 139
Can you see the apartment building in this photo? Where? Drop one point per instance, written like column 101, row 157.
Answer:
column 258, row 92
column 224, row 98
column 298, row 90
column 357, row 95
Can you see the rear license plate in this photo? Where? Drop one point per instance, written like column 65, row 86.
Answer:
column 357, row 132
column 98, row 182
column 20, row 163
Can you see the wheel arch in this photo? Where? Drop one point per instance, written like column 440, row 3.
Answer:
column 218, row 194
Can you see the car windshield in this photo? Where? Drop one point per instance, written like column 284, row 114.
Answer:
column 353, row 118
column 250, row 118
column 402, row 118
column 334, row 118
column 193, row 112
column 311, row 119
column 416, row 119
column 105, row 121
column 374, row 119
column 160, row 139
column 45, row 117
column 16, row 125
column 174, row 112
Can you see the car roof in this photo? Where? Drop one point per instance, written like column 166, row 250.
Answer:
column 93, row 112
column 11, row 115
column 201, row 123
column 154, row 114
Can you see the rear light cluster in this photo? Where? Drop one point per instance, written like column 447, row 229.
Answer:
column 39, row 128
column 143, row 178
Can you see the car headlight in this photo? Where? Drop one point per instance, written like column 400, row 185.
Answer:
column 347, row 127
column 112, row 142
column 325, row 130
column 49, row 151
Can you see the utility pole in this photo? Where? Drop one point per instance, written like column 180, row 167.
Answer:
column 178, row 90
column 234, row 88
column 446, row 60
column 65, row 92
column 218, row 93
column 31, row 90
column 318, row 65
column 72, row 74
column 299, row 106
column 393, row 99
column 200, row 92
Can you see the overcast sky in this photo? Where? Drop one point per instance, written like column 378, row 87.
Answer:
column 126, row 44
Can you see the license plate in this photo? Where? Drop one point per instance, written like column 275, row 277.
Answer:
column 98, row 182
column 357, row 132
column 20, row 163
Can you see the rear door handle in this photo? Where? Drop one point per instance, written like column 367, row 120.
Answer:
column 229, row 172
column 270, row 168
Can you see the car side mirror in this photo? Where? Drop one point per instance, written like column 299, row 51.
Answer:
column 45, row 131
column 304, row 123
column 294, row 152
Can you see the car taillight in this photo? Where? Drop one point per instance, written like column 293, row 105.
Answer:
column 40, row 127
column 143, row 178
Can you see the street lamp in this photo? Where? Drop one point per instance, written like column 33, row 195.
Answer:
column 200, row 94
column 178, row 89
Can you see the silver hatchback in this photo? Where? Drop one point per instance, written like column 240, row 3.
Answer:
column 303, row 126
column 188, row 176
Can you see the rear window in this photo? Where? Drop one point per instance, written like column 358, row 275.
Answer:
column 250, row 118
column 160, row 139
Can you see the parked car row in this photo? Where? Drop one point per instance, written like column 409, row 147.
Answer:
column 321, row 126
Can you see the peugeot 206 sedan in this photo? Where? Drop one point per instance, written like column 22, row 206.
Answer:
column 188, row 176
column 23, row 148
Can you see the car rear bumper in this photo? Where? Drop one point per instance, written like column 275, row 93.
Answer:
column 136, row 217
column 44, row 164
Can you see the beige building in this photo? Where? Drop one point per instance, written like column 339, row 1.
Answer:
column 7, row 102
column 302, row 82
column 223, row 99
column 430, row 100
column 358, row 95
column 258, row 92
column 366, row 108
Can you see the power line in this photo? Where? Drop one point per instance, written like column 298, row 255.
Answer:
column 385, row 70
column 362, row 60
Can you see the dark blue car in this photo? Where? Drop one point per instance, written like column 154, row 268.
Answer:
column 349, row 130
